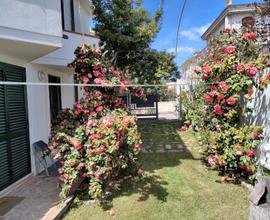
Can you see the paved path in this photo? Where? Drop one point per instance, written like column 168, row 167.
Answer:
column 36, row 197
column 161, row 137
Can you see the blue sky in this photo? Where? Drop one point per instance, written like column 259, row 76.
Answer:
column 198, row 15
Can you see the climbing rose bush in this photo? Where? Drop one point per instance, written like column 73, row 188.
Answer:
column 230, row 69
column 234, row 151
column 97, row 141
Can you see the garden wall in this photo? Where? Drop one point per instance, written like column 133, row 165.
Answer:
column 261, row 116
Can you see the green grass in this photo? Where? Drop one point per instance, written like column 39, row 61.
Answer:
column 175, row 186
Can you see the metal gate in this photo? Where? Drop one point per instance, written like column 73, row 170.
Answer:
column 143, row 109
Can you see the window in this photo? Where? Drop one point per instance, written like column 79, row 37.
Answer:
column 55, row 97
column 67, row 10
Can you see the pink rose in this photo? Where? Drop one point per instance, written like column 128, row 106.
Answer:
column 85, row 79
column 183, row 129
column 220, row 97
column 140, row 171
column 249, row 36
column 221, row 163
column 213, row 88
column 249, row 170
column 60, row 171
column 99, row 109
column 218, row 62
column 97, row 174
column 242, row 166
column 207, row 69
column 253, row 71
column 255, row 134
column 231, row 101
column 196, row 71
column 239, row 68
column 223, row 86
column 209, row 99
column 211, row 162
column 268, row 76
column 76, row 143
column 218, row 110
column 204, row 76
column 137, row 146
column 251, row 153
column 99, row 80
column 101, row 149
column 97, row 73
column 117, row 73
column 238, row 153
column 230, row 49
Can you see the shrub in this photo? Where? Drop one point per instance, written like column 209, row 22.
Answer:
column 230, row 69
column 97, row 140
column 233, row 152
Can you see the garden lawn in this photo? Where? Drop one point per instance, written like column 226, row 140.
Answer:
column 176, row 185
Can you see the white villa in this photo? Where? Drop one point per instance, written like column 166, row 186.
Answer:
column 37, row 41
column 189, row 78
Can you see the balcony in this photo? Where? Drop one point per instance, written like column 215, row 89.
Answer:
column 29, row 28
column 71, row 40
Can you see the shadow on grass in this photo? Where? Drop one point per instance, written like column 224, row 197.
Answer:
column 145, row 186
column 155, row 134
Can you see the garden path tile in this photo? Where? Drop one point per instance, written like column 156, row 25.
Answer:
column 39, row 195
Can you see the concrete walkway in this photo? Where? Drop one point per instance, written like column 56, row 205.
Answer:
column 36, row 198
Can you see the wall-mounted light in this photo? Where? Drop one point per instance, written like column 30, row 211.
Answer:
column 41, row 76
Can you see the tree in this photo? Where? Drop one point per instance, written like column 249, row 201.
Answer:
column 153, row 66
column 126, row 29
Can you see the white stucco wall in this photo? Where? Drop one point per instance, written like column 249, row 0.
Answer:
column 29, row 29
column 65, row 55
column 39, row 105
column 37, row 16
column 260, row 116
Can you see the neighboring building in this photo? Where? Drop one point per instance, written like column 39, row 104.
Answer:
column 189, row 78
column 236, row 16
column 258, row 17
column 37, row 41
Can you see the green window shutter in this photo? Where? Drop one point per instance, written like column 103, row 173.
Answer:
column 14, row 137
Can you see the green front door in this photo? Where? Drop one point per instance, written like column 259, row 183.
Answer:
column 14, row 138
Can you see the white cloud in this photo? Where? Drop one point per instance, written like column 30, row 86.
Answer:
column 184, row 49
column 194, row 33
column 189, row 34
